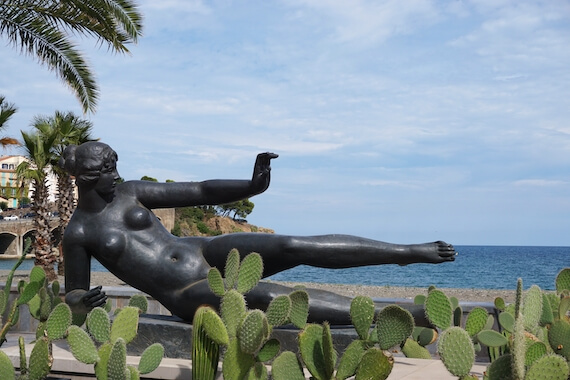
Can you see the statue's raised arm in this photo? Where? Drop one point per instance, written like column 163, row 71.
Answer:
column 209, row 192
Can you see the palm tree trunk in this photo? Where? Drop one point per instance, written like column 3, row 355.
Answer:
column 65, row 207
column 43, row 248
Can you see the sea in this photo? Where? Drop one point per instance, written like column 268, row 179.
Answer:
column 475, row 267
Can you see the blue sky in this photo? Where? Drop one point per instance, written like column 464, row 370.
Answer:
column 403, row 121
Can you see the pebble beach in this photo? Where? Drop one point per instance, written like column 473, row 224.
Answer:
column 466, row 295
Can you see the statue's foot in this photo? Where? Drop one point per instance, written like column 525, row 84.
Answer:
column 433, row 253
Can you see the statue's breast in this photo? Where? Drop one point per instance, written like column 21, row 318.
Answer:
column 138, row 218
column 115, row 243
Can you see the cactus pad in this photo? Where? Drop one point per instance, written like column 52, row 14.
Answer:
column 350, row 359
column 205, row 352
column 375, row 365
column 216, row 282
column 125, row 324
column 476, row 320
column 532, row 307
column 117, row 365
column 269, row 350
column 362, row 314
column 236, row 363
column 231, row 269
column 563, row 280
column 6, row 367
column 58, row 321
column 81, row 345
column 151, row 358
column 299, row 308
column 278, row 310
column 534, row 352
column 250, row 272
column 393, row 325
column 559, row 338
column 311, row 348
column 438, row 309
column 413, row 349
column 233, row 310
column 99, row 324
column 287, row 367
column 253, row 331
column 140, row 301
column 491, row 338
column 551, row 367
column 500, row 369
column 40, row 360
column 456, row 350
column 507, row 321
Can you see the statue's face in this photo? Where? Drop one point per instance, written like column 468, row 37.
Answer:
column 108, row 178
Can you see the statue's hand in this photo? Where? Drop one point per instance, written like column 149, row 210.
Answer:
column 261, row 171
column 94, row 298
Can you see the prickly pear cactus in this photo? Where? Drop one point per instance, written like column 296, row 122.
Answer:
column 311, row 349
column 413, row 349
column 351, row 358
column 40, row 360
column 287, row 367
column 58, row 321
column 81, row 345
column 563, row 281
column 6, row 368
column 439, row 309
column 250, row 272
column 552, row 367
column 117, row 365
column 375, row 365
column 205, row 351
column 140, row 301
column 253, row 331
column 476, row 320
column 362, row 314
column 559, row 338
column 532, row 308
column 500, row 369
column 456, row 350
column 278, row 310
column 151, row 358
column 125, row 324
column 99, row 324
column 393, row 325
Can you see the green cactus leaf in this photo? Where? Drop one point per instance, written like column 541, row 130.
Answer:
column 507, row 321
column 420, row 299
column 133, row 373
column 30, row 290
column 287, row 367
column 532, row 307
column 563, row 280
column 99, row 324
column 214, row 327
column 456, row 351
column 3, row 302
column 40, row 360
column 205, row 352
column 55, row 288
column 37, row 274
column 547, row 317
column 216, row 282
column 278, row 310
column 45, row 304
column 101, row 366
column 534, row 352
column 251, row 333
column 491, row 338
column 518, row 298
column 457, row 316
column 500, row 369
column 81, row 345
column 58, row 321
column 269, row 350
column 151, row 358
column 394, row 324
column 350, row 359
column 250, row 272
column 233, row 311
column 257, row 372
column 454, row 302
column 476, row 320
column 231, row 269
column 424, row 335
column 236, row 363
column 438, row 309
column 125, row 324
column 140, row 301
column 413, row 349
column 500, row 304
column 78, row 319
column 311, row 348
column 362, row 314
column 329, row 352
column 563, row 307
column 299, row 308
column 6, row 368
column 375, row 365
column 518, row 349
column 117, row 365
column 552, row 367
column 559, row 338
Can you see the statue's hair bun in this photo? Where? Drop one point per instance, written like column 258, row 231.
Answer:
column 67, row 161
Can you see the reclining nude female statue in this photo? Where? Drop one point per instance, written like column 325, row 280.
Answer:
column 114, row 224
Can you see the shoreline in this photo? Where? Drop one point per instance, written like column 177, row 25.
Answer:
column 349, row 290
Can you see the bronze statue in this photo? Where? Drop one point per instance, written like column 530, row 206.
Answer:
column 113, row 223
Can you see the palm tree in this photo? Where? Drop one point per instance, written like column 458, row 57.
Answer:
column 42, row 28
column 39, row 152
column 7, row 110
column 69, row 129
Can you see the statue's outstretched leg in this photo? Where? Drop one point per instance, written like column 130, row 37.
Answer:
column 280, row 252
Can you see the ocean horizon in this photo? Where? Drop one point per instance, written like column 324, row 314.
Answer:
column 475, row 267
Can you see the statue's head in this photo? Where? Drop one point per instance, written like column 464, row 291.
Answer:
column 86, row 161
